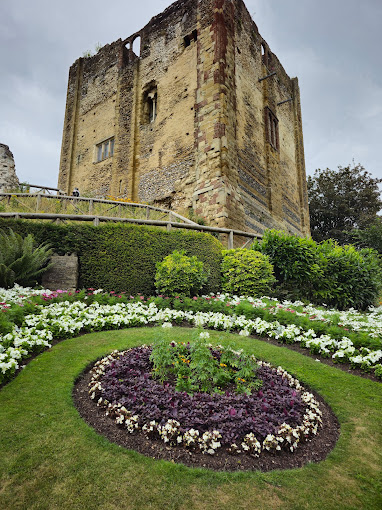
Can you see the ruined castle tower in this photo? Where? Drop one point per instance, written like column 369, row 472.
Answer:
column 8, row 178
column 200, row 115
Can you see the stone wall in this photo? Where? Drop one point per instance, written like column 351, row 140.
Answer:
column 8, row 177
column 63, row 273
column 208, row 146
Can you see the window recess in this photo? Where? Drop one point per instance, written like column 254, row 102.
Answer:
column 272, row 128
column 105, row 150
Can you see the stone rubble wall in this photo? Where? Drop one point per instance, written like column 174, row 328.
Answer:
column 8, row 177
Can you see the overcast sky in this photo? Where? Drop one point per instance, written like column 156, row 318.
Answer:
column 333, row 46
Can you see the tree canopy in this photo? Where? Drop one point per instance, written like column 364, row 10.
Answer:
column 342, row 200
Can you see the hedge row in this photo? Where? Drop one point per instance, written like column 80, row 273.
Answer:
column 122, row 257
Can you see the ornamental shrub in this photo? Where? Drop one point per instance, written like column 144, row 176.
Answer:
column 351, row 277
column 296, row 262
column 246, row 272
column 338, row 276
column 20, row 261
column 179, row 274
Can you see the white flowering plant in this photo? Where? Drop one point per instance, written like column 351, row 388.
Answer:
column 56, row 315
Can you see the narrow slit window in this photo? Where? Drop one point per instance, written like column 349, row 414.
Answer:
column 152, row 99
column 150, row 105
column 272, row 128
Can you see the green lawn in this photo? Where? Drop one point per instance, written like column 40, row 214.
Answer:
column 50, row 459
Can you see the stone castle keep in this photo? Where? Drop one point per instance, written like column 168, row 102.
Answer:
column 202, row 117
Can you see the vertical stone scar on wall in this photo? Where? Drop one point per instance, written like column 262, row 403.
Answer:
column 193, row 112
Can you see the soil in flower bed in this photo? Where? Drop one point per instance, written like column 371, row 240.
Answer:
column 312, row 450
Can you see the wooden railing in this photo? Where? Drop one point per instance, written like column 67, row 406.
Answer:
column 68, row 206
column 41, row 189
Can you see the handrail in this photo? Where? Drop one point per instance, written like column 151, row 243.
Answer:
column 101, row 201
column 27, row 185
column 158, row 223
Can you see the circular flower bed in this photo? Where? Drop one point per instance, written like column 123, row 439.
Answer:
column 275, row 414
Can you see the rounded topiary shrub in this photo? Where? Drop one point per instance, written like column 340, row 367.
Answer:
column 179, row 274
column 246, row 272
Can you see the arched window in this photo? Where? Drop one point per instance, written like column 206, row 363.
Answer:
column 136, row 46
column 150, row 104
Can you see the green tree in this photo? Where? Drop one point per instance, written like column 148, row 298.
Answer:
column 342, row 200
column 370, row 236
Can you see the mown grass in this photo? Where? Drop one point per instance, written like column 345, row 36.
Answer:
column 50, row 459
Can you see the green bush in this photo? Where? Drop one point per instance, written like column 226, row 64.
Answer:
column 20, row 260
column 179, row 274
column 122, row 257
column 339, row 276
column 378, row 371
column 296, row 262
column 246, row 272
column 351, row 277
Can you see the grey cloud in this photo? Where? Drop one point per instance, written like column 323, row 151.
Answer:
column 333, row 46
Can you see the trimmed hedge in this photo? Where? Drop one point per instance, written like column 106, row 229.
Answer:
column 122, row 257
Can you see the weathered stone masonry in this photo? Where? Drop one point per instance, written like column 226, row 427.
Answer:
column 190, row 122
column 8, row 177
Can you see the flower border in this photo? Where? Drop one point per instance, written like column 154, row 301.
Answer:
column 208, row 442
column 65, row 319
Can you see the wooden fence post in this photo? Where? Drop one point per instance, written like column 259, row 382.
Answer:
column 230, row 240
column 38, row 202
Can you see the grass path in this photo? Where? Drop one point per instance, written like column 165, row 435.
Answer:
column 50, row 459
